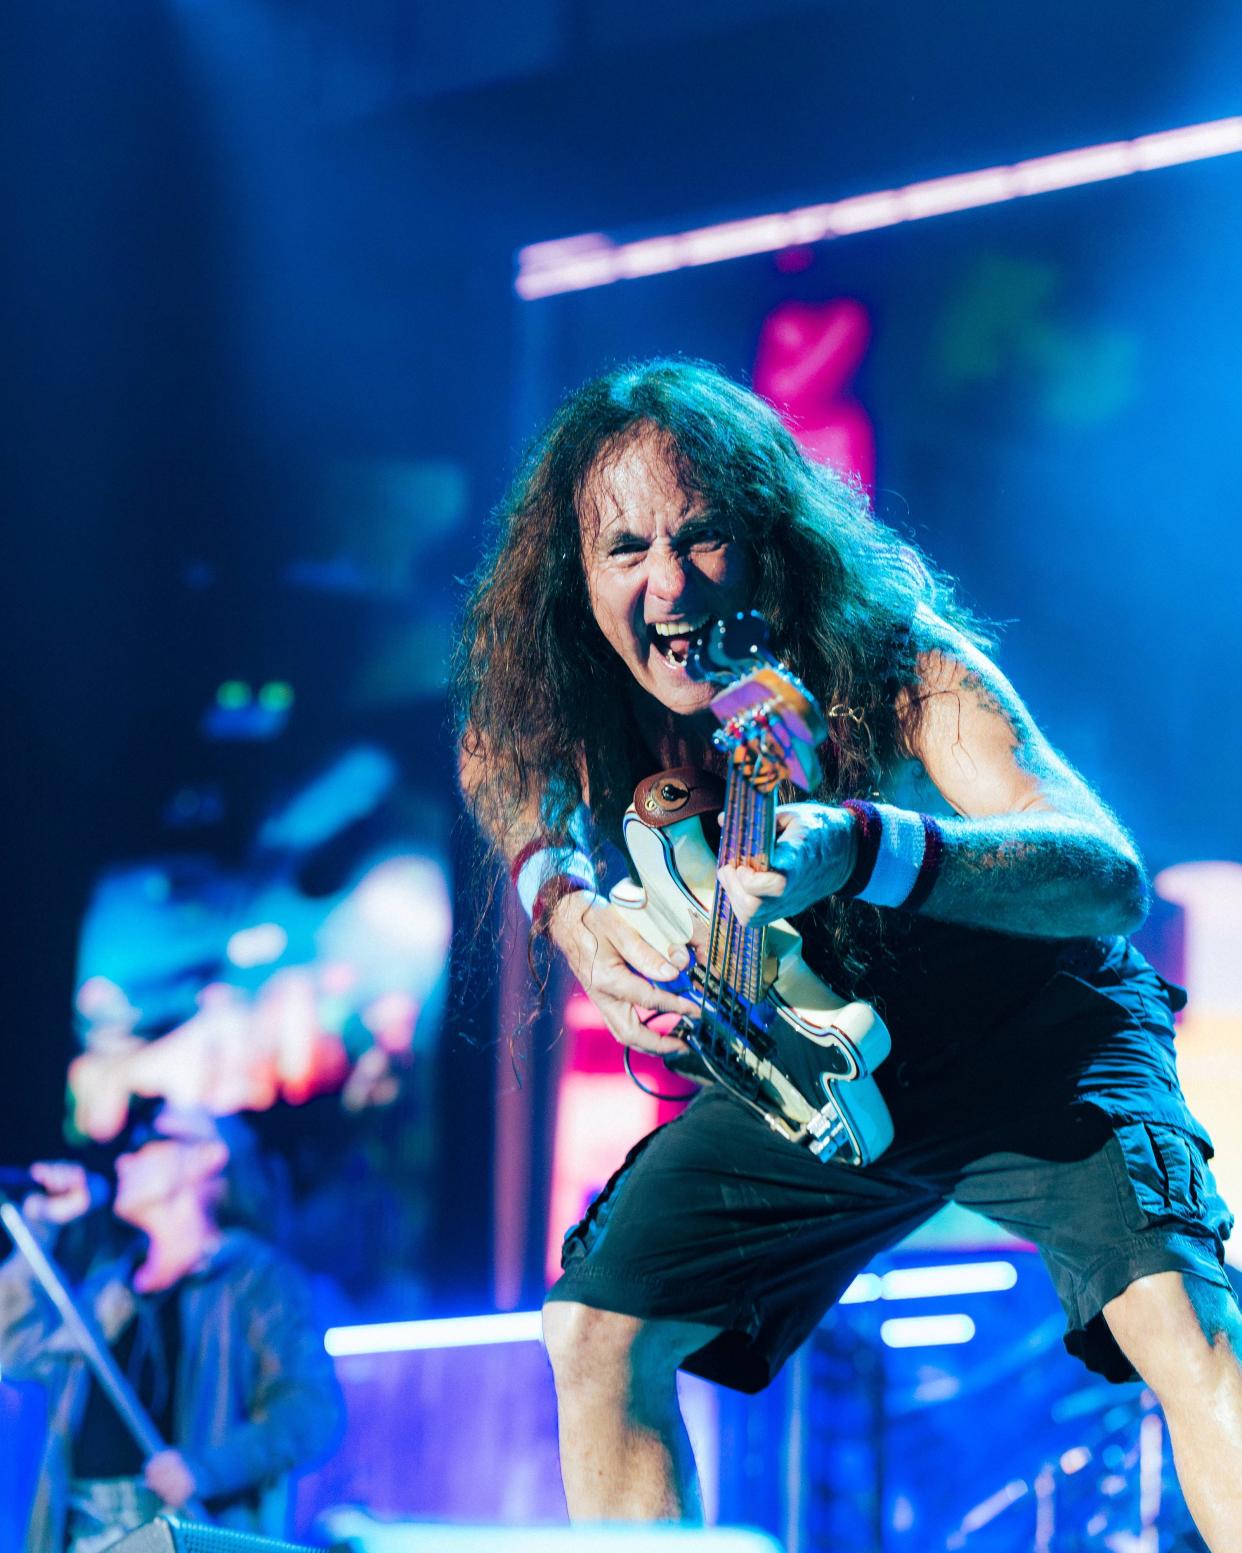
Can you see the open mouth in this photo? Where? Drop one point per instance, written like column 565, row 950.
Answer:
column 672, row 638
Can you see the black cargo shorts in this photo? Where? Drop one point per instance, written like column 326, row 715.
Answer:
column 715, row 1218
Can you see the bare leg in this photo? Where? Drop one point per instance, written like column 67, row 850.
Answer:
column 1184, row 1337
column 625, row 1455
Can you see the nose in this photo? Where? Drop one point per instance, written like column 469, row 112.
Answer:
column 668, row 575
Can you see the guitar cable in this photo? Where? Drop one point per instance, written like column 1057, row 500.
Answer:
column 656, row 1094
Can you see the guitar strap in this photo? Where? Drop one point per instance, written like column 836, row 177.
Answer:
column 682, row 793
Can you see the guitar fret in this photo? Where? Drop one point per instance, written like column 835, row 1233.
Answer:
column 736, row 952
column 770, row 728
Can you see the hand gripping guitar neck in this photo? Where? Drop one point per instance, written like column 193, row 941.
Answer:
column 788, row 1048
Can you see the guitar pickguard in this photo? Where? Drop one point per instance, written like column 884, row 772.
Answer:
column 813, row 1058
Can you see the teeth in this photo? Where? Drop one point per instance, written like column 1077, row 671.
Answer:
column 677, row 627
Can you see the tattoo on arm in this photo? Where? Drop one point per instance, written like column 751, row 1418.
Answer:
column 1033, row 849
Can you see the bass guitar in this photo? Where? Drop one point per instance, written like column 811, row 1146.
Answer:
column 787, row 1047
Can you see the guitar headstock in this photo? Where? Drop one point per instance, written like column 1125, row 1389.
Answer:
column 770, row 724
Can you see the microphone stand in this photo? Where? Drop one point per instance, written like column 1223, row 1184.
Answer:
column 115, row 1384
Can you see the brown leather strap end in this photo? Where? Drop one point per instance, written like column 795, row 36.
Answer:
column 680, row 794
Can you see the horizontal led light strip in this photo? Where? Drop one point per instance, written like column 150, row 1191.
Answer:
column 926, row 1331
column 578, row 263
column 926, row 1283
column 523, row 1326
column 518, row 1326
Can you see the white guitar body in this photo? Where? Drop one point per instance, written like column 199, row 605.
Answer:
column 821, row 1051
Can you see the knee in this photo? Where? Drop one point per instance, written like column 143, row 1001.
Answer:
column 602, row 1350
column 566, row 1334
column 583, row 1342
column 1182, row 1334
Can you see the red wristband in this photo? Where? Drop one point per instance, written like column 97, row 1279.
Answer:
column 870, row 830
column 554, row 890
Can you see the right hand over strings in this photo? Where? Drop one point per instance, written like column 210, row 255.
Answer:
column 67, row 1192
column 616, row 967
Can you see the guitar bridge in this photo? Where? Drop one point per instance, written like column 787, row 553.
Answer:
column 828, row 1134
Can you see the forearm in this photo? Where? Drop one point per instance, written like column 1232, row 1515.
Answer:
column 1042, row 874
column 1037, row 872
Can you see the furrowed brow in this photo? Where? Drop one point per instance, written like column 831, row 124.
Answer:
column 700, row 524
column 618, row 534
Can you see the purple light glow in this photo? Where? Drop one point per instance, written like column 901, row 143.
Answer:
column 593, row 259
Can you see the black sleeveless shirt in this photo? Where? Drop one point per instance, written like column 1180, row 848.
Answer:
column 1021, row 1024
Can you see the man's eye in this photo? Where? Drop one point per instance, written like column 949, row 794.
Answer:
column 709, row 539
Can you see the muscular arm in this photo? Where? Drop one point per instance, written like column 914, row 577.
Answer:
column 1033, row 850
column 1030, row 848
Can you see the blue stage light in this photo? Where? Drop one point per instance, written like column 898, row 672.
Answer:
column 926, row 1331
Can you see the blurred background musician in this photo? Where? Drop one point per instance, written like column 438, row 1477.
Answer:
column 210, row 1324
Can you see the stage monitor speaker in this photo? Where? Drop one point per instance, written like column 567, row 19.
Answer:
column 170, row 1534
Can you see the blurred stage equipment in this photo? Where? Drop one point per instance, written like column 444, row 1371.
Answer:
column 315, row 964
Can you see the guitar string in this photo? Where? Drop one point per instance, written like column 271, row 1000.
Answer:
column 742, row 993
column 763, row 841
column 743, row 935
column 753, row 812
column 749, row 831
column 735, row 976
column 739, row 936
column 711, row 973
column 720, row 943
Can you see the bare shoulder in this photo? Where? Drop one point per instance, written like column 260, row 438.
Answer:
column 955, row 678
column 975, row 737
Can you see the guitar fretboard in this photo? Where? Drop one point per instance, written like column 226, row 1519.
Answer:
column 735, row 957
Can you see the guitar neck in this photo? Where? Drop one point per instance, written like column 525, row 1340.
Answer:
column 736, row 952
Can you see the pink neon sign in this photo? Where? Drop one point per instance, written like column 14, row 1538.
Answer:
column 807, row 357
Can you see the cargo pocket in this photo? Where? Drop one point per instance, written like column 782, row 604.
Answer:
column 1167, row 1180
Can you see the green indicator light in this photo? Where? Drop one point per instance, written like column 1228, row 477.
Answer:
column 276, row 696
column 234, row 693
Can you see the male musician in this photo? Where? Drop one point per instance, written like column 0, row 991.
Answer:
column 210, row 1324
column 977, row 892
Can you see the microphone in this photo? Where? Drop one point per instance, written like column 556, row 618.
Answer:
column 17, row 1182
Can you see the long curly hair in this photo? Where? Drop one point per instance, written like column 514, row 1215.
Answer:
column 542, row 698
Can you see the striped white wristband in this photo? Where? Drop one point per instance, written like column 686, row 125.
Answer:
column 538, row 866
column 899, row 855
